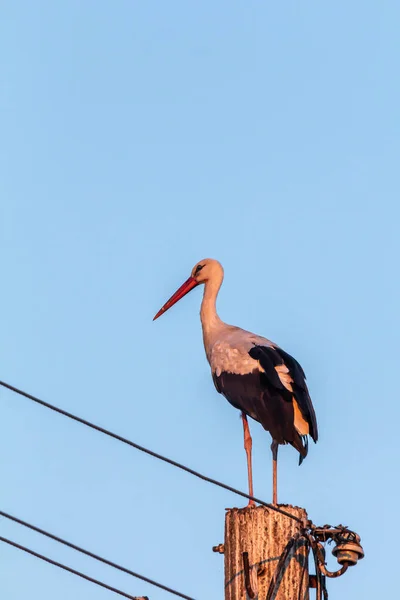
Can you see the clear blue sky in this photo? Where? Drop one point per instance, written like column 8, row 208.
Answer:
column 138, row 138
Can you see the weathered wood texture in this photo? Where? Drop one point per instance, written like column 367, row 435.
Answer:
column 264, row 533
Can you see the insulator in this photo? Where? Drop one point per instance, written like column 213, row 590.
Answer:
column 348, row 549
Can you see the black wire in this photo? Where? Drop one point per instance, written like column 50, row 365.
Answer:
column 146, row 451
column 61, row 566
column 92, row 555
column 276, row 578
column 304, row 569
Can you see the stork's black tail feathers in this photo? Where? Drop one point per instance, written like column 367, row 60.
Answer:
column 302, row 455
column 300, row 442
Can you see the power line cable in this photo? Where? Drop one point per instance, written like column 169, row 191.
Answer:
column 146, row 450
column 73, row 571
column 92, row 555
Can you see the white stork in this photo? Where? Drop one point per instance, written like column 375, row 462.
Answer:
column 254, row 374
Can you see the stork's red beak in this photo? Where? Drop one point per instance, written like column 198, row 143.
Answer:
column 183, row 290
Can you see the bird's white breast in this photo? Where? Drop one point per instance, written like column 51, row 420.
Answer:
column 225, row 358
column 230, row 352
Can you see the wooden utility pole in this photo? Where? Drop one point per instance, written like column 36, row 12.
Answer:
column 255, row 538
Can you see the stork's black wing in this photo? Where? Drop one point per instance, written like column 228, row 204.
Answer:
column 271, row 357
column 263, row 396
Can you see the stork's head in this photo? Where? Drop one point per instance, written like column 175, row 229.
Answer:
column 205, row 270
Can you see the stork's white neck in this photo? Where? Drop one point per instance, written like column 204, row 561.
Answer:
column 210, row 320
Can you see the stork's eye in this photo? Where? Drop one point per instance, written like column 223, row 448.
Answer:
column 198, row 269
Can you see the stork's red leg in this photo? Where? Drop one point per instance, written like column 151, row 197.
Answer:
column 274, row 448
column 247, row 446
